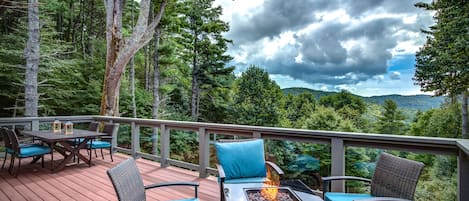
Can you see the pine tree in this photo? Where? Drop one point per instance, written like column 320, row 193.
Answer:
column 441, row 64
column 204, row 47
column 392, row 119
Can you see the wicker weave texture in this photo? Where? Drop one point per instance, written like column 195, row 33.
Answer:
column 395, row 177
column 127, row 181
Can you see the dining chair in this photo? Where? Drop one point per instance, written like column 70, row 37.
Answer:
column 243, row 161
column 105, row 141
column 8, row 146
column 394, row 179
column 128, row 183
column 24, row 151
column 93, row 126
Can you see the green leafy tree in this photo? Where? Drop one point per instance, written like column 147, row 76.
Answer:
column 326, row 118
column 343, row 99
column 299, row 106
column 441, row 122
column 258, row 100
column 442, row 63
column 391, row 120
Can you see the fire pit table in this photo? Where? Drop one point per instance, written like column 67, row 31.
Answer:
column 253, row 192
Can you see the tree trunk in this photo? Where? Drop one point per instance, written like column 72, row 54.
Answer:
column 91, row 35
column 147, row 71
column 119, row 53
column 71, row 22
column 132, row 87
column 464, row 125
column 195, row 82
column 83, row 30
column 31, row 53
column 156, row 90
column 132, row 75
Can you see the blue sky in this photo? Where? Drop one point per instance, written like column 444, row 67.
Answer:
column 366, row 46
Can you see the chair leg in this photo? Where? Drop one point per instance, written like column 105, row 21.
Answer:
column 12, row 163
column 42, row 161
column 110, row 153
column 90, row 156
column 52, row 158
column 6, row 154
column 18, row 169
column 95, row 154
column 222, row 192
column 102, row 155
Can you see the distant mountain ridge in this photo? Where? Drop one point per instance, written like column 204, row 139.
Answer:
column 415, row 102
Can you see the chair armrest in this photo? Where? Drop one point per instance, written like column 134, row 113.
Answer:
column 171, row 184
column 166, row 184
column 382, row 199
column 275, row 167
column 326, row 181
column 221, row 173
column 106, row 138
column 333, row 178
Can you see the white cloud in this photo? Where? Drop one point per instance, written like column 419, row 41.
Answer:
column 328, row 44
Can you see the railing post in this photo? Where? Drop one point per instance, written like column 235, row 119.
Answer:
column 463, row 176
column 164, row 146
column 154, row 140
column 204, row 155
column 338, row 164
column 135, row 139
column 114, row 138
column 256, row 135
column 35, row 125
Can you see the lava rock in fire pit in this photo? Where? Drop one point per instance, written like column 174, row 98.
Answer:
column 282, row 194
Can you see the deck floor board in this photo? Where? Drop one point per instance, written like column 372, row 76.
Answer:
column 80, row 182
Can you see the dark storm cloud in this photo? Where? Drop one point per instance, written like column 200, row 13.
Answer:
column 325, row 60
column 355, row 8
column 275, row 17
column 324, row 57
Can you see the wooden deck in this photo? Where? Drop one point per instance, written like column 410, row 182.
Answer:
column 80, row 182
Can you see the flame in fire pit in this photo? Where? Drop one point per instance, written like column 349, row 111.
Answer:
column 272, row 181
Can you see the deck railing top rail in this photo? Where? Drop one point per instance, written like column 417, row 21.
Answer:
column 448, row 145
column 337, row 140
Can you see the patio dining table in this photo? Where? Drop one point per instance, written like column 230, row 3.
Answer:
column 64, row 144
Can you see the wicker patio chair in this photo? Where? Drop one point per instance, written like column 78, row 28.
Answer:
column 394, row 179
column 105, row 141
column 8, row 145
column 24, row 151
column 128, row 183
column 93, row 126
column 243, row 161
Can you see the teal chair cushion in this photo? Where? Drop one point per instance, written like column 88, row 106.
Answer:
column 76, row 141
column 242, row 159
column 33, row 151
column 190, row 199
column 99, row 144
column 246, row 180
column 10, row 151
column 332, row 196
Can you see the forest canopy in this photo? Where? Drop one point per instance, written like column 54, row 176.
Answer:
column 184, row 73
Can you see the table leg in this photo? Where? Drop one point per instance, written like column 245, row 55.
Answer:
column 63, row 151
column 83, row 145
